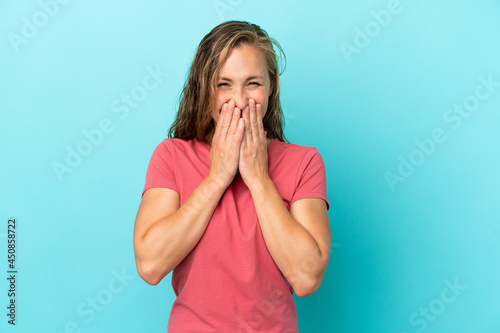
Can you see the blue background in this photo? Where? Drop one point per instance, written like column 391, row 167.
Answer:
column 363, row 92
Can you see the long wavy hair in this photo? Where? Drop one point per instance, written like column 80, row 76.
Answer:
column 197, row 100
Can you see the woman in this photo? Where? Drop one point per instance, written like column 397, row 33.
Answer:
column 240, row 217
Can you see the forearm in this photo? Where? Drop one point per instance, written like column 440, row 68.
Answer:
column 171, row 238
column 293, row 249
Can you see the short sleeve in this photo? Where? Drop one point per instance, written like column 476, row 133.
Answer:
column 160, row 172
column 311, row 178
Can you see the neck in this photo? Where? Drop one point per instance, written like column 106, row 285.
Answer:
column 268, row 140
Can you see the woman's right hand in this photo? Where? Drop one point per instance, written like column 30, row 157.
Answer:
column 225, row 146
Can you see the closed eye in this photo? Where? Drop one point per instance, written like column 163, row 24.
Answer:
column 225, row 84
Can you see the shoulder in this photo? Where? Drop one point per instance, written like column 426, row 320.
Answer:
column 175, row 144
column 180, row 150
column 172, row 142
column 293, row 150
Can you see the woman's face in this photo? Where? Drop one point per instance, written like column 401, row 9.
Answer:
column 242, row 77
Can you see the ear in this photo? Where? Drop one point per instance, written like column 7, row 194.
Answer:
column 271, row 88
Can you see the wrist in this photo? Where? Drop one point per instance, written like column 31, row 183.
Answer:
column 216, row 184
column 259, row 187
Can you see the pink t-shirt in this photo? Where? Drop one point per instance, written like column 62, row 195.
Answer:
column 229, row 282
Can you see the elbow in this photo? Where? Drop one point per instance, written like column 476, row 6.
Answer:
column 308, row 289
column 148, row 268
column 152, row 281
column 148, row 273
column 309, row 283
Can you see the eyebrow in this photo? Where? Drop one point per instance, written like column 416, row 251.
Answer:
column 248, row 78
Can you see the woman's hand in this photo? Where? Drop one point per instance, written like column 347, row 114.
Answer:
column 225, row 146
column 253, row 164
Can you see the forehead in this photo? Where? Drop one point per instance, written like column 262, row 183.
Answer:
column 243, row 61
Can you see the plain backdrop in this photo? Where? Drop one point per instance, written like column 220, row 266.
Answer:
column 401, row 98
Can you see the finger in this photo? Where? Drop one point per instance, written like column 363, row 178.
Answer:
column 236, row 143
column 247, row 137
column 260, row 123
column 253, row 120
column 218, row 125
column 233, row 127
column 227, row 119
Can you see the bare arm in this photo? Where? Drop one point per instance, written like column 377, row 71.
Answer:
column 165, row 233
column 298, row 240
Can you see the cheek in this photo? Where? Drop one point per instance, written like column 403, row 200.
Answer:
column 219, row 101
column 265, row 105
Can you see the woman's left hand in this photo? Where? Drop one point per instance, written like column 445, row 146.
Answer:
column 253, row 162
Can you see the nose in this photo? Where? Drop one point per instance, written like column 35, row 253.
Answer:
column 240, row 99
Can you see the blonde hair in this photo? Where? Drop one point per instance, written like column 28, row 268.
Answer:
column 194, row 116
